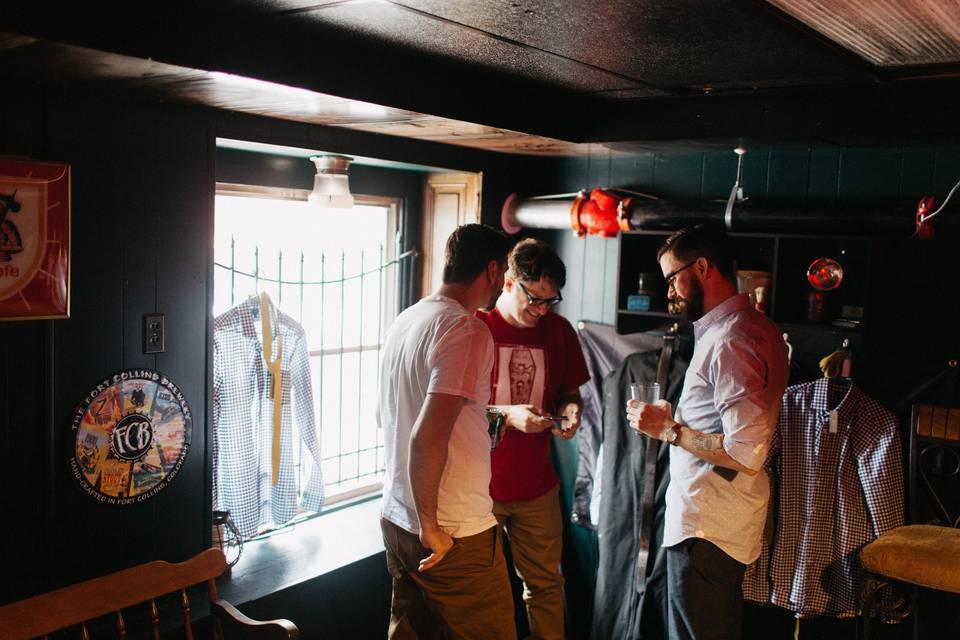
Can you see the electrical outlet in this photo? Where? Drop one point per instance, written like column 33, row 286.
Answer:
column 153, row 336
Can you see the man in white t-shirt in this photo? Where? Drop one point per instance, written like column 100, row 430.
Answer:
column 442, row 541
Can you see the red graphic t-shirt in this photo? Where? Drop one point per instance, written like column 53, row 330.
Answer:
column 531, row 366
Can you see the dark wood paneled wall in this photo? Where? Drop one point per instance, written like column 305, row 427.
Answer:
column 140, row 196
column 143, row 183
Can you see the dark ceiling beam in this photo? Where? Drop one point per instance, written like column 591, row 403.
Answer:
column 321, row 58
column 918, row 111
column 203, row 35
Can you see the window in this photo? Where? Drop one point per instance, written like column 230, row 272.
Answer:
column 334, row 271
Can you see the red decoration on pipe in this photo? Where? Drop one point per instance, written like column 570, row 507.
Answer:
column 601, row 214
column 924, row 228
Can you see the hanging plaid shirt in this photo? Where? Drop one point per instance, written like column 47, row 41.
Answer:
column 243, row 420
column 837, row 481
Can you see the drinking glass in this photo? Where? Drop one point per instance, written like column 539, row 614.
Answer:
column 648, row 392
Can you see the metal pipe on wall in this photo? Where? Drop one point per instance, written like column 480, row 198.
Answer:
column 780, row 216
column 535, row 213
column 883, row 217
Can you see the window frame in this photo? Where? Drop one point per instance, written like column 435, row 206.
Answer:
column 390, row 303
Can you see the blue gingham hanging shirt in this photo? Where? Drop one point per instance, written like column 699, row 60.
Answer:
column 838, row 475
column 243, row 420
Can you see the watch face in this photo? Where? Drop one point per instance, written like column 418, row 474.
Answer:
column 674, row 434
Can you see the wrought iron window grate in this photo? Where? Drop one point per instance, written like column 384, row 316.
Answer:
column 344, row 300
column 356, row 462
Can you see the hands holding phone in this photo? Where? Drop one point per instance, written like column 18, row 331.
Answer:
column 529, row 418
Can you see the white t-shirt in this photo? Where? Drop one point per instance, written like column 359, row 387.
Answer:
column 437, row 346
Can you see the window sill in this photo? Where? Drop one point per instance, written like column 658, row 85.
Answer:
column 309, row 549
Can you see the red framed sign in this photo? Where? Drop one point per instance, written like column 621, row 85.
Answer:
column 34, row 240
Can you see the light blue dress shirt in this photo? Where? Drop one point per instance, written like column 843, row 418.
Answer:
column 733, row 386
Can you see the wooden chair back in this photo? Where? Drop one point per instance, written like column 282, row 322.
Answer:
column 77, row 605
column 236, row 626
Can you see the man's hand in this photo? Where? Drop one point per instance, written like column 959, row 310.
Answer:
column 651, row 419
column 526, row 418
column 568, row 428
column 438, row 541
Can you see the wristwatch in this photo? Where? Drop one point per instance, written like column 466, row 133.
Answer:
column 672, row 435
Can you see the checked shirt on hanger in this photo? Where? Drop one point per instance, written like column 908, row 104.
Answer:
column 254, row 477
column 837, row 469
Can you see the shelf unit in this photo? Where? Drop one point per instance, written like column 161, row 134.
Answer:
column 785, row 256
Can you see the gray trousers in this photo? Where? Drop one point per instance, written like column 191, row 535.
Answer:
column 704, row 592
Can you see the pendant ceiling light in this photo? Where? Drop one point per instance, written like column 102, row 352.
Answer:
column 331, row 186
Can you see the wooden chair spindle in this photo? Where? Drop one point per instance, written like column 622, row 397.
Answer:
column 155, row 619
column 185, row 603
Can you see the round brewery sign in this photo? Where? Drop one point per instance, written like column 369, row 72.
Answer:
column 130, row 436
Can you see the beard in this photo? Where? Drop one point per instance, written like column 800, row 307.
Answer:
column 691, row 307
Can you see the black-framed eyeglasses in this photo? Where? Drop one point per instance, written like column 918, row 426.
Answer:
column 534, row 301
column 672, row 276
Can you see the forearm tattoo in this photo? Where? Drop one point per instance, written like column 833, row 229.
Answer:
column 705, row 442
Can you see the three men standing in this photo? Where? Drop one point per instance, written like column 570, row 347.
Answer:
column 440, row 525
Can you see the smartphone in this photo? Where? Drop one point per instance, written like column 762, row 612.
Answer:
column 559, row 420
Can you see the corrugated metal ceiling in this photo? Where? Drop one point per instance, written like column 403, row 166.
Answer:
column 888, row 33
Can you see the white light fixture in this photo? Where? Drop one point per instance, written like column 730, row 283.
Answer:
column 331, row 186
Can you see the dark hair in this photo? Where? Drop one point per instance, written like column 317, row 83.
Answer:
column 707, row 241
column 533, row 259
column 470, row 248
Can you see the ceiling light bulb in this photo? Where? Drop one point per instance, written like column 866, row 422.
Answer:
column 331, row 184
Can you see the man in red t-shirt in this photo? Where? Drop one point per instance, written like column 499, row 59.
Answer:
column 538, row 369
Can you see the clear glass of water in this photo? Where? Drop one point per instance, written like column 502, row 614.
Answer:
column 648, row 392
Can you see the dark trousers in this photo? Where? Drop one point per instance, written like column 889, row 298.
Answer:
column 704, row 592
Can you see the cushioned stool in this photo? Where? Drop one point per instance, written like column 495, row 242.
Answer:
column 920, row 555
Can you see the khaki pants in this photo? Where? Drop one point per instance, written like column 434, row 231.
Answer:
column 466, row 595
column 535, row 528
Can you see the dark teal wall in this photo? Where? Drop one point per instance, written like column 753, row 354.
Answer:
column 818, row 175
column 916, row 308
column 913, row 310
